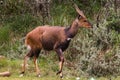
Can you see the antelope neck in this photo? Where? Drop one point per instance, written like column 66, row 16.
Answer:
column 72, row 30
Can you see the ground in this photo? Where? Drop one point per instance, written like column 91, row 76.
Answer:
column 48, row 71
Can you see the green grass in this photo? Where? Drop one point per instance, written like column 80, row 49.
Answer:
column 14, row 67
column 47, row 71
column 33, row 78
column 50, row 78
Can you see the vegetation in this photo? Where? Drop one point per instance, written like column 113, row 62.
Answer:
column 92, row 53
column 46, row 69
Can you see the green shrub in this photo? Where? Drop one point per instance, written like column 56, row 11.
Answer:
column 20, row 23
column 4, row 35
column 96, row 53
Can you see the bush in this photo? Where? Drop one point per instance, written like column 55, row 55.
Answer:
column 20, row 23
column 96, row 52
column 4, row 35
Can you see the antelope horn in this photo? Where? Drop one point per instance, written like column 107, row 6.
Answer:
column 79, row 11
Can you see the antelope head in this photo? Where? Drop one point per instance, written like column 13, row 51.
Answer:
column 81, row 19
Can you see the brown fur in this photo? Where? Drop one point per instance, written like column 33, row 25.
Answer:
column 43, row 34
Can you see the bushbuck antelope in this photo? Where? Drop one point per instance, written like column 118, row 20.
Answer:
column 53, row 38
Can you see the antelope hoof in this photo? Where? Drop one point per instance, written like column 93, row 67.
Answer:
column 61, row 76
column 60, row 72
column 21, row 75
column 38, row 75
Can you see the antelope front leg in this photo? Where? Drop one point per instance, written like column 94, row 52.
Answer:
column 61, row 59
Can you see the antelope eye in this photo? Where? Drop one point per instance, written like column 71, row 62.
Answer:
column 85, row 21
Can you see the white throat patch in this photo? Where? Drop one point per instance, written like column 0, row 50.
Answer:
column 68, row 39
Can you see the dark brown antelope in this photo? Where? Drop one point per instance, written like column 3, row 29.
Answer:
column 53, row 38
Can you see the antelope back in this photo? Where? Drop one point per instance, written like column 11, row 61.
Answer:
column 81, row 19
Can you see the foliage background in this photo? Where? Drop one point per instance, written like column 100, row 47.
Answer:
column 94, row 52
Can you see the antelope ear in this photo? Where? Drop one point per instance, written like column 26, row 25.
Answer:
column 79, row 17
column 79, row 11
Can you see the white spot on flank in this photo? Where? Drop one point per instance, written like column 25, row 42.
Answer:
column 28, row 47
